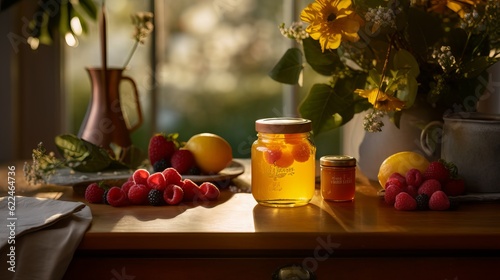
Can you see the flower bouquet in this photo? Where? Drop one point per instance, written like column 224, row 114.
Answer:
column 388, row 56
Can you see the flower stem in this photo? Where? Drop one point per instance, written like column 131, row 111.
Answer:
column 132, row 51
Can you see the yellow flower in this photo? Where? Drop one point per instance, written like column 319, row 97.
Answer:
column 458, row 6
column 331, row 22
column 380, row 100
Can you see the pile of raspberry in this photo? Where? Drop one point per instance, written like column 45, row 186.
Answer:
column 156, row 189
column 434, row 189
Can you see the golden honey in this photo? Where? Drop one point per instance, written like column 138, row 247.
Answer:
column 283, row 162
column 338, row 178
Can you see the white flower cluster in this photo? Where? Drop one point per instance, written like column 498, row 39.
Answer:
column 295, row 31
column 381, row 17
column 143, row 22
column 445, row 58
column 372, row 121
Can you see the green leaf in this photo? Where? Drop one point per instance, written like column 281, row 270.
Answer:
column 408, row 94
column 329, row 108
column 324, row 63
column 403, row 59
column 84, row 156
column 288, row 68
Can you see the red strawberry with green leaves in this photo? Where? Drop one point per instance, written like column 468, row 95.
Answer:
column 182, row 160
column 437, row 170
column 162, row 146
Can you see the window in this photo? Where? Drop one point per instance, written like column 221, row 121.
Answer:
column 205, row 70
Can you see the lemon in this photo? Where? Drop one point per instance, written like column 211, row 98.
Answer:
column 401, row 162
column 211, row 152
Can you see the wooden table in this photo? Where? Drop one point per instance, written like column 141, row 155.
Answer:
column 234, row 238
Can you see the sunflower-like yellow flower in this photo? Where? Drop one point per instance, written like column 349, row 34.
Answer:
column 380, row 100
column 331, row 22
column 458, row 6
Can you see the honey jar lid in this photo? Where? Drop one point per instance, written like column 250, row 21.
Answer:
column 339, row 161
column 283, row 125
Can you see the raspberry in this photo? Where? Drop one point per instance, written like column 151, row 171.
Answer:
column 396, row 179
column 157, row 181
column 172, row 176
column 437, row 170
column 191, row 190
column 301, row 151
column 454, row 187
column 155, row 197
column 138, row 194
column 94, row 193
column 161, row 165
column 429, row 187
column 404, row 202
column 412, row 190
column 116, row 197
column 414, row 177
column 390, row 194
column 182, row 160
column 439, row 201
column 209, row 191
column 422, row 201
column 141, row 176
column 173, row 194
column 126, row 186
column 272, row 154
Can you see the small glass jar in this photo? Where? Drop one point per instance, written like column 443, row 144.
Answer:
column 283, row 162
column 338, row 178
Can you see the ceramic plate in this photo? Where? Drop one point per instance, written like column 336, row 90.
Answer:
column 68, row 177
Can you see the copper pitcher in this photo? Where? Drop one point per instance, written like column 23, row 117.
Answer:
column 104, row 122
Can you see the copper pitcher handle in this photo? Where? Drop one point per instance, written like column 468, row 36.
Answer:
column 137, row 103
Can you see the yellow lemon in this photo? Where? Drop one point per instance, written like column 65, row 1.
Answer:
column 211, row 152
column 401, row 162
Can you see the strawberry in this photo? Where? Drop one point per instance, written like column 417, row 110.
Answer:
column 182, row 160
column 454, row 187
column 161, row 147
column 437, row 170
column 94, row 193
column 209, row 191
column 404, row 202
column 116, row 197
column 439, row 201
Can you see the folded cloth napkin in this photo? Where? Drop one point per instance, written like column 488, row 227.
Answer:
column 38, row 237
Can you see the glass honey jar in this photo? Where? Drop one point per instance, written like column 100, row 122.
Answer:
column 283, row 162
column 338, row 177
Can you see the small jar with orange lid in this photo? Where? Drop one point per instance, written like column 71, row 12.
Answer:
column 283, row 162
